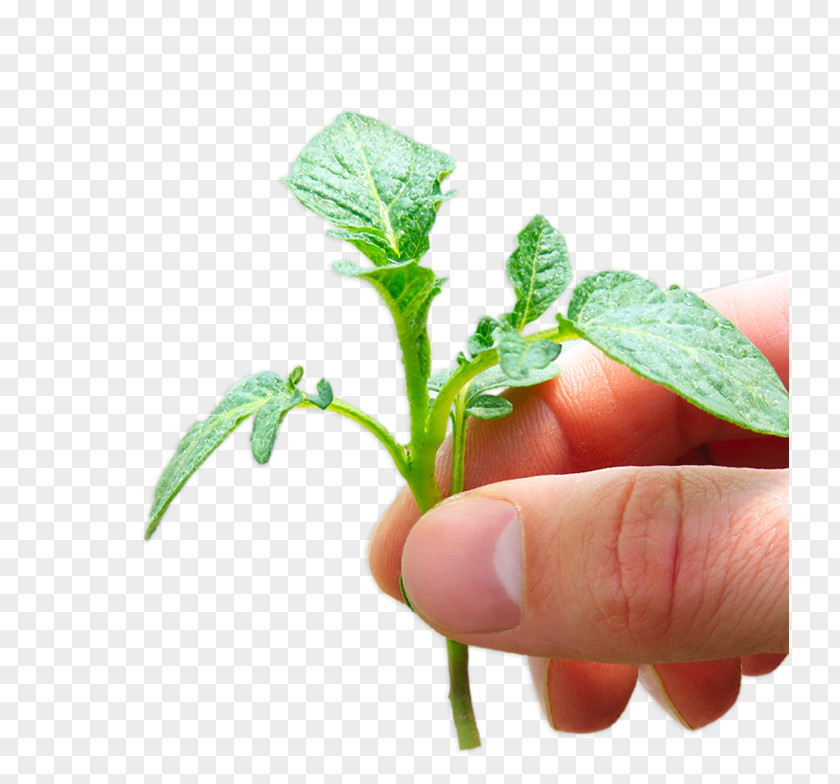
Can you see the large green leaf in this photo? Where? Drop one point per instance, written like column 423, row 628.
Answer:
column 246, row 397
column 407, row 289
column 378, row 187
column 676, row 339
column 539, row 269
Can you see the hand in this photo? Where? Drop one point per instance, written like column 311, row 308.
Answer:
column 617, row 532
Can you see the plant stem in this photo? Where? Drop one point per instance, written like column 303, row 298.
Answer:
column 439, row 414
column 459, row 441
column 428, row 430
column 397, row 451
column 459, row 696
column 458, row 653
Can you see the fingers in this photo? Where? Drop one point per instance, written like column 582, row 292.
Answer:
column 581, row 696
column 622, row 565
column 694, row 693
column 596, row 414
column 761, row 663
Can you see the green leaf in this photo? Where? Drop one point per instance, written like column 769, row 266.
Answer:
column 676, row 339
column 489, row 407
column 407, row 289
column 324, row 395
column 268, row 420
column 539, row 270
column 495, row 378
column 380, row 189
column 482, row 339
column 517, row 357
column 295, row 376
column 244, row 398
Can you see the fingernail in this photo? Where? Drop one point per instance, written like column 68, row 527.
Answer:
column 650, row 679
column 462, row 566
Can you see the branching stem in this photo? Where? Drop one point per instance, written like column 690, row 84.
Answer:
column 486, row 359
column 416, row 463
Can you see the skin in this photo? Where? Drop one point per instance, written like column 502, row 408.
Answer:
column 655, row 536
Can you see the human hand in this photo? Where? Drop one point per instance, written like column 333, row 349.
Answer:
column 616, row 532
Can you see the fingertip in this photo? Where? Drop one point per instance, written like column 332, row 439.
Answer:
column 387, row 541
column 761, row 663
column 582, row 697
column 694, row 693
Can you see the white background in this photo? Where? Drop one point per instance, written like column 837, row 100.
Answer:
column 150, row 257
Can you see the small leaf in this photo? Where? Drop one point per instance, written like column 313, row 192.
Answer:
column 380, row 189
column 518, row 358
column 539, row 270
column 680, row 341
column 324, row 395
column 295, row 376
column 243, row 399
column 482, row 339
column 268, row 420
column 489, row 407
column 495, row 378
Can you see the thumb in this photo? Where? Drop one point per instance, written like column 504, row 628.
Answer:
column 627, row 565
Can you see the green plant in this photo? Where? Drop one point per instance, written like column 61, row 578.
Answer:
column 381, row 191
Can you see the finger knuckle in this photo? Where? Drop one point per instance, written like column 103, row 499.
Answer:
column 635, row 587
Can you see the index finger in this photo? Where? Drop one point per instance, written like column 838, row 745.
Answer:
column 595, row 414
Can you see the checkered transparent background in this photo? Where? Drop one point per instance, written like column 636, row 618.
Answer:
column 150, row 257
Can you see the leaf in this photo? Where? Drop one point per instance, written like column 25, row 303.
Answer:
column 268, row 420
column 482, row 339
column 489, row 407
column 295, row 376
column 676, row 339
column 495, row 378
column 324, row 395
column 380, row 189
column 243, row 399
column 517, row 357
column 408, row 290
column 539, row 270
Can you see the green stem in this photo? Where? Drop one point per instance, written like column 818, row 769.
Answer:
column 397, row 451
column 428, row 431
column 459, row 441
column 458, row 653
column 439, row 414
column 459, row 696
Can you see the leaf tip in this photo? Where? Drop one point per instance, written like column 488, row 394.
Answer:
column 153, row 524
column 261, row 457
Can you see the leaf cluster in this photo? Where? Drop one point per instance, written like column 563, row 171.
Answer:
column 381, row 192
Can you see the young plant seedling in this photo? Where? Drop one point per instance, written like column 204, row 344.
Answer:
column 381, row 191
